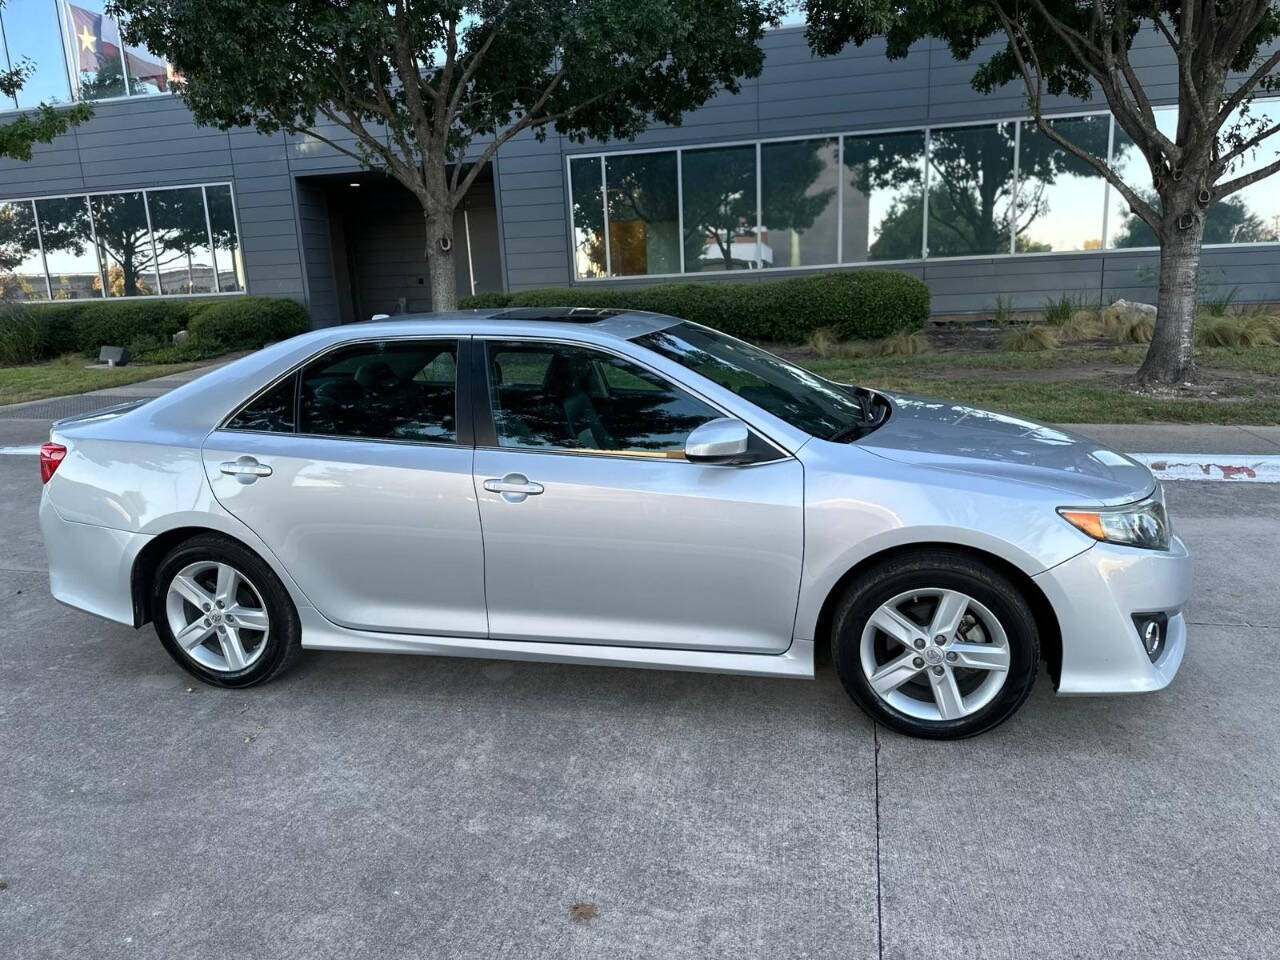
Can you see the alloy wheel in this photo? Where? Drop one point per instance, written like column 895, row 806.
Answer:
column 935, row 654
column 217, row 616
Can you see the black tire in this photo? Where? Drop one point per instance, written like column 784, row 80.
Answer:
column 283, row 640
column 934, row 569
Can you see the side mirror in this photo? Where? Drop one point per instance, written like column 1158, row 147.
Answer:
column 717, row 441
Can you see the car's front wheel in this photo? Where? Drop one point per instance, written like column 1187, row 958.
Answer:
column 936, row 644
column 223, row 614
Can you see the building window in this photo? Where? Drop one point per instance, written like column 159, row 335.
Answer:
column 586, row 183
column 164, row 242
column 644, row 225
column 720, row 209
column 33, row 40
column 1126, row 229
column 101, row 62
column 21, row 268
column 1060, row 196
column 799, row 212
column 970, row 180
column 883, row 205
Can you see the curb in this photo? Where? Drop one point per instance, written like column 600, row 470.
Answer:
column 1235, row 468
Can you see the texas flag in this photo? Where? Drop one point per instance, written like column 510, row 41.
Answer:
column 97, row 43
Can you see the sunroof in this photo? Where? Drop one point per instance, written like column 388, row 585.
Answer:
column 562, row 314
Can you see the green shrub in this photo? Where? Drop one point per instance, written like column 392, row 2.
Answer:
column 485, row 301
column 851, row 304
column 23, row 337
column 246, row 323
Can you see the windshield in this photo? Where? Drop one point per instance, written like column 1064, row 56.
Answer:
column 791, row 393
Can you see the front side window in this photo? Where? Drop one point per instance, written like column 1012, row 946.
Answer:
column 792, row 394
column 390, row 390
column 561, row 396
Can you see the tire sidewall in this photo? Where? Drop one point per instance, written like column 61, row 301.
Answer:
column 282, row 639
column 985, row 586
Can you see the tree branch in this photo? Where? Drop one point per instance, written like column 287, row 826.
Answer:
column 1239, row 183
column 1232, row 102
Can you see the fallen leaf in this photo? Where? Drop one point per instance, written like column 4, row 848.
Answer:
column 583, row 912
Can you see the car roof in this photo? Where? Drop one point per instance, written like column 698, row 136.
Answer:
column 568, row 322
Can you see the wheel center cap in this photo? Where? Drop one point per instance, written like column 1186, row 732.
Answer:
column 933, row 655
column 217, row 618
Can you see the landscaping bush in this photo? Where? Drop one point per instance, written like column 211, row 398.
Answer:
column 23, row 338
column 33, row 332
column 246, row 323
column 852, row 304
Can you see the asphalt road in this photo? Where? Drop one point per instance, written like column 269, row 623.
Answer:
column 418, row 807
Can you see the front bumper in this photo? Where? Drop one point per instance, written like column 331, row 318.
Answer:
column 1095, row 595
column 90, row 567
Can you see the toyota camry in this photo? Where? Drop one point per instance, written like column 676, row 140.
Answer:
column 617, row 488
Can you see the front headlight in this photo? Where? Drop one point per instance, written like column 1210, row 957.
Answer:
column 1142, row 524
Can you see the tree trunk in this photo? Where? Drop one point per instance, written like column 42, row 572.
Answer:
column 1170, row 359
column 439, row 252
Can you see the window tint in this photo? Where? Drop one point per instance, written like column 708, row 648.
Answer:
column 271, row 413
column 576, row 398
column 392, row 390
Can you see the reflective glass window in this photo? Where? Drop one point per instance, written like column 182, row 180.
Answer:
column 1060, row 197
column 644, row 232
column 21, row 267
column 719, row 187
column 69, row 252
column 799, row 180
column 883, row 209
column 588, row 217
column 124, row 244
column 182, row 240
column 34, row 39
column 970, row 190
column 228, row 258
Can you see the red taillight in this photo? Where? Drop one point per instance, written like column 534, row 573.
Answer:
column 51, row 454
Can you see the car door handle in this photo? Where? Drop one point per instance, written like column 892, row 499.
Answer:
column 514, row 487
column 245, row 469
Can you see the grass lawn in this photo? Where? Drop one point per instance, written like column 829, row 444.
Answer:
column 1084, row 384
column 62, row 377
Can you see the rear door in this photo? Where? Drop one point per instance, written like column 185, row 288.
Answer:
column 356, row 473
column 597, row 530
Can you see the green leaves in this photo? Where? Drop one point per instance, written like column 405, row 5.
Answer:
column 40, row 125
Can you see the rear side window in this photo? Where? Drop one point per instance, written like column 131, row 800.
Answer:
column 389, row 390
column 273, row 412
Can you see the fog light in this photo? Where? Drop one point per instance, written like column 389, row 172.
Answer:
column 1151, row 629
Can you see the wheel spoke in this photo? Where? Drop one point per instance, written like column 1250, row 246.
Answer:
column 232, row 650
column 192, row 592
column 248, row 618
column 228, row 579
column 193, row 634
column 947, row 695
column 894, row 625
column 894, row 674
column 952, row 607
column 981, row 656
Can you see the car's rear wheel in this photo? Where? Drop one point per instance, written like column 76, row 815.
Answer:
column 936, row 644
column 223, row 614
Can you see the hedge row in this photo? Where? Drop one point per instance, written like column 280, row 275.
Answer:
column 854, row 304
column 33, row 332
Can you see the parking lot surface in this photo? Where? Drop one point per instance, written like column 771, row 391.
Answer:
column 420, row 807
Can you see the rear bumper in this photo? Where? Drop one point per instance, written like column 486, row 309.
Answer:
column 1096, row 594
column 90, row 567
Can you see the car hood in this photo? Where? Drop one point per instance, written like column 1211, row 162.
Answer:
column 952, row 436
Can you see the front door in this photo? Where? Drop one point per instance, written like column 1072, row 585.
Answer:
column 352, row 472
column 597, row 530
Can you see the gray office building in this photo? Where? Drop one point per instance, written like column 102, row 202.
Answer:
column 841, row 163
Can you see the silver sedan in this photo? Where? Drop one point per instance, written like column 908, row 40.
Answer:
column 614, row 488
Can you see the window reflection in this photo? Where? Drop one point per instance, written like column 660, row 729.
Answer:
column 644, row 233
column 69, row 252
column 182, row 240
column 970, row 190
column 1060, row 197
column 883, row 197
column 381, row 391
column 32, row 36
column 588, row 216
column 798, row 184
column 720, row 209
column 575, row 398
column 21, row 267
column 1126, row 229
column 228, row 259
column 273, row 412
column 1251, row 215
column 97, row 57
column 124, row 244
